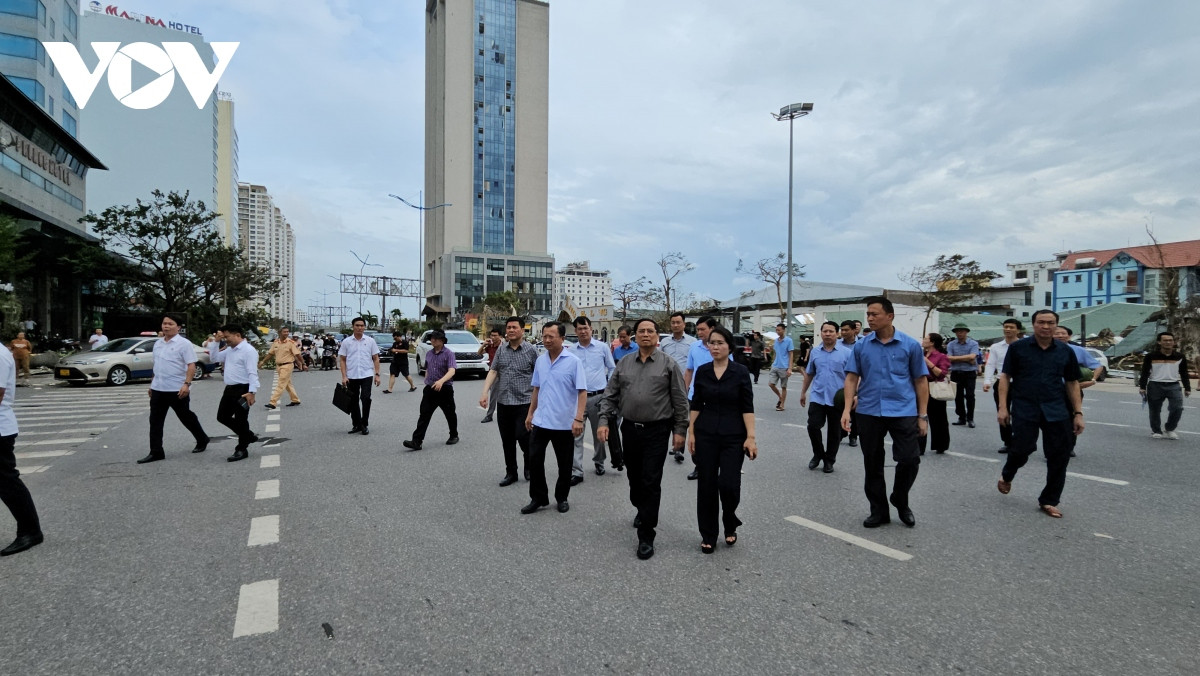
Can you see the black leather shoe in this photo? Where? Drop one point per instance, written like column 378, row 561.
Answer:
column 533, row 506
column 1002, row 449
column 853, row 441
column 294, row 403
column 960, row 422
column 905, row 514
column 876, row 520
column 694, row 475
column 637, row 521
column 452, row 440
column 576, row 480
column 814, row 463
column 971, row 424
column 563, row 507
column 619, row 466
column 828, row 467
column 645, row 550
column 238, row 454
column 364, row 431
column 679, row 457
column 599, row 469
column 412, row 445
column 151, row 458
column 508, row 480
column 270, row 406
column 355, row 430
column 201, row 447
column 22, row 543
column 486, row 419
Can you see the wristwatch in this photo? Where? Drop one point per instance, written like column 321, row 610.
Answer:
column 924, row 417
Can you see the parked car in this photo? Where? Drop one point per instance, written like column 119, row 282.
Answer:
column 466, row 352
column 117, row 362
column 1100, row 357
column 385, row 344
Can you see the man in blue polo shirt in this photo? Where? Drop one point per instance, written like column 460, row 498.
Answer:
column 1086, row 360
column 963, row 352
column 555, row 417
column 887, row 372
column 1041, row 378
column 826, row 374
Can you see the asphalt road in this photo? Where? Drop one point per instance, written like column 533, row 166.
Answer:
column 376, row 560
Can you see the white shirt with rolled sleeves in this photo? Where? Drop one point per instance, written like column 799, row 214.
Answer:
column 8, row 380
column 995, row 362
column 359, row 354
column 171, row 359
column 241, row 363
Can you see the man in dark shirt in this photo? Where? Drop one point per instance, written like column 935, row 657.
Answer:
column 440, row 366
column 1041, row 376
column 647, row 391
column 399, row 366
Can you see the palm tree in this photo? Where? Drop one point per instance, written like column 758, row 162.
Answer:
column 372, row 320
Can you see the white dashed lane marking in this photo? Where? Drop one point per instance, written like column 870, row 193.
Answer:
column 852, row 539
column 271, row 428
column 971, row 457
column 267, row 489
column 258, row 609
column 264, row 530
column 268, row 461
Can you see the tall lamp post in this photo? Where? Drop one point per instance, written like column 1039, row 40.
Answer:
column 421, row 209
column 790, row 113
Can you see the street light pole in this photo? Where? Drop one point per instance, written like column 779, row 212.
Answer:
column 790, row 113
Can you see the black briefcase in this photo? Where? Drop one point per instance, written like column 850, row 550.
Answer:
column 342, row 399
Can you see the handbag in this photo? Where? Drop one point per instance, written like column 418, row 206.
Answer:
column 342, row 399
column 943, row 390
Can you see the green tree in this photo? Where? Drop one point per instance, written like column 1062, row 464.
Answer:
column 949, row 282
column 371, row 319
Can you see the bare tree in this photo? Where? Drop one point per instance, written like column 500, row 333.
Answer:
column 773, row 271
column 672, row 265
column 629, row 293
column 1170, row 280
column 949, row 282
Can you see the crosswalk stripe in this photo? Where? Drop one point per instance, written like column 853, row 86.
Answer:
column 33, row 469
column 43, row 454
column 59, row 424
column 49, row 442
column 90, row 430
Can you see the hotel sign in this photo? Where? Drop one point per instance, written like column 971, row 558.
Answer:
column 113, row 10
column 38, row 157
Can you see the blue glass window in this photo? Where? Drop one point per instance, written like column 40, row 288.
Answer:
column 70, row 20
column 27, row 48
column 30, row 8
column 32, row 88
column 66, row 95
column 495, row 75
column 69, row 123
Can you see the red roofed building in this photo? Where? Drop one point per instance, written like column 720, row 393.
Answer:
column 1129, row 275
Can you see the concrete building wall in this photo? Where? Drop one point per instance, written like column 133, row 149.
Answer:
column 268, row 239
column 227, row 170
column 532, row 124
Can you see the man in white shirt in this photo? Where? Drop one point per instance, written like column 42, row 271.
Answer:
column 174, row 368
column 97, row 339
column 241, row 383
column 598, row 365
column 995, row 364
column 358, row 359
column 13, row 492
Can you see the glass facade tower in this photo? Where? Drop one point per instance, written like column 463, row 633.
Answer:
column 493, row 228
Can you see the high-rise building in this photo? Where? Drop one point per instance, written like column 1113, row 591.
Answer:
column 170, row 147
column 227, row 170
column 24, row 26
column 486, row 127
column 267, row 239
column 583, row 286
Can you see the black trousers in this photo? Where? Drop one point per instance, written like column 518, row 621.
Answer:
column 964, row 397
column 831, row 418
column 564, row 453
column 1006, row 435
column 755, row 367
column 1056, row 443
column 938, row 437
column 432, row 400
column 160, row 403
column 645, row 446
column 360, row 394
column 905, row 432
column 719, row 464
column 13, row 492
column 511, row 421
column 233, row 415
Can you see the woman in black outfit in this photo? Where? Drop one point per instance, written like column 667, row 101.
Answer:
column 939, row 368
column 720, row 431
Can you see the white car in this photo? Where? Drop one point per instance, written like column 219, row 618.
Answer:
column 117, row 362
column 466, row 353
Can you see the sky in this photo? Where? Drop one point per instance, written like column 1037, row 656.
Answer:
column 1004, row 131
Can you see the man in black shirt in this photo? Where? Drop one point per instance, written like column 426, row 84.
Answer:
column 399, row 366
column 1041, row 377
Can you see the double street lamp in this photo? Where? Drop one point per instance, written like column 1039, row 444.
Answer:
column 790, row 113
column 421, row 209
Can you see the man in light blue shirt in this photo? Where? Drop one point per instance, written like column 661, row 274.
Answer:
column 887, row 373
column 826, row 374
column 781, row 368
column 964, row 367
column 598, row 365
column 1085, row 360
column 626, row 346
column 555, row 417
column 678, row 344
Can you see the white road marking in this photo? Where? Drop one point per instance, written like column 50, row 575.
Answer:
column 792, row 425
column 267, row 489
column 268, row 461
column 1186, row 432
column 1138, row 403
column 33, row 469
column 852, row 539
column 971, row 457
column 1107, row 424
column 43, row 454
column 1102, row 535
column 60, row 424
column 49, row 442
column 1089, row 477
column 89, row 430
column 272, row 416
column 264, row 530
column 258, row 609
column 271, row 428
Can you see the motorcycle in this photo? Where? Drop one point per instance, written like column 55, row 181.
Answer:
column 328, row 357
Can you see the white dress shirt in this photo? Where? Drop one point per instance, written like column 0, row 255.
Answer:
column 995, row 362
column 241, row 363
column 97, row 340
column 8, row 380
column 171, row 359
column 359, row 354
